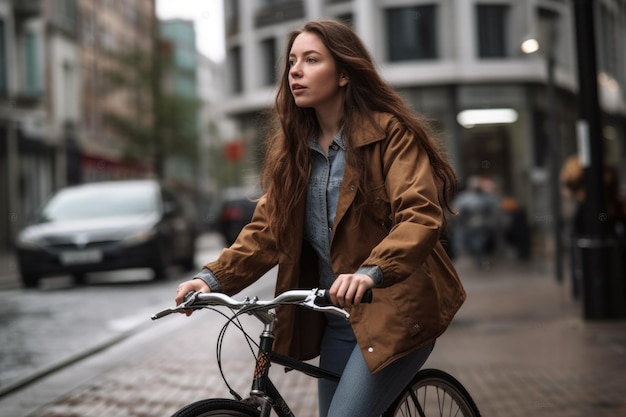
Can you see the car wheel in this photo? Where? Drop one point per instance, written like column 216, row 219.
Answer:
column 79, row 278
column 188, row 263
column 162, row 263
column 30, row 280
column 160, row 271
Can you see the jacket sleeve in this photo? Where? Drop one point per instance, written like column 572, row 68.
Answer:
column 415, row 213
column 249, row 257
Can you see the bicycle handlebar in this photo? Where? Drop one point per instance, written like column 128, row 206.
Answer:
column 314, row 299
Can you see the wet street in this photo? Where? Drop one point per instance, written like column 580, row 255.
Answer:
column 45, row 328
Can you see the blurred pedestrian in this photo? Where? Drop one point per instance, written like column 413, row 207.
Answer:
column 476, row 225
column 516, row 228
column 355, row 193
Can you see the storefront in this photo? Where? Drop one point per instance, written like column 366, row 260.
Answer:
column 502, row 133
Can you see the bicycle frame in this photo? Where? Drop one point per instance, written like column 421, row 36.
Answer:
column 263, row 392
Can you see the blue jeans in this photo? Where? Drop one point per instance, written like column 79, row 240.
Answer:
column 359, row 392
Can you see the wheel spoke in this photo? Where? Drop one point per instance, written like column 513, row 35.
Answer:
column 434, row 393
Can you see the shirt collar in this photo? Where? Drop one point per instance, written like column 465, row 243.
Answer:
column 338, row 139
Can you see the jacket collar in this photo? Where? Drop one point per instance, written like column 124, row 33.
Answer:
column 369, row 129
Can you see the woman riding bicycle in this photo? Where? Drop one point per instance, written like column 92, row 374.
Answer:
column 355, row 190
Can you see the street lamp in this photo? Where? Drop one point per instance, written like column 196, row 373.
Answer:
column 529, row 46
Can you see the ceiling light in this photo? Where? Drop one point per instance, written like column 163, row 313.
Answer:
column 470, row 118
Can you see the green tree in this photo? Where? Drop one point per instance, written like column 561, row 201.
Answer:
column 159, row 122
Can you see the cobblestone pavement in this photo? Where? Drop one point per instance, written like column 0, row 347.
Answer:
column 519, row 345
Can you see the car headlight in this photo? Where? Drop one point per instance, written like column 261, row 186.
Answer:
column 140, row 236
column 26, row 241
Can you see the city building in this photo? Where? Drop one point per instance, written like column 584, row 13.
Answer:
column 116, row 38
column 71, row 73
column 461, row 64
column 39, row 104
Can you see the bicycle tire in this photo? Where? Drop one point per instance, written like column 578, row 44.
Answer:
column 433, row 393
column 217, row 407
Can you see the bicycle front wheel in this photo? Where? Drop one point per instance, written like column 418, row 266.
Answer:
column 433, row 393
column 217, row 407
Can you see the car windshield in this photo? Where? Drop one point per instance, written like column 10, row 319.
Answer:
column 98, row 202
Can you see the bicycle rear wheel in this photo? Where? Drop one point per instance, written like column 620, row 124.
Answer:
column 217, row 407
column 433, row 393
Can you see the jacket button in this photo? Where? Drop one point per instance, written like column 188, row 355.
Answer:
column 370, row 349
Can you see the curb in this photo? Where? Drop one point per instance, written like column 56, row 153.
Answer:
column 46, row 370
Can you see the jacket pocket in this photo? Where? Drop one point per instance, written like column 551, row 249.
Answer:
column 379, row 207
column 409, row 302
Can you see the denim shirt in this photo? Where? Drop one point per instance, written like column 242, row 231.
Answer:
column 321, row 207
column 321, row 202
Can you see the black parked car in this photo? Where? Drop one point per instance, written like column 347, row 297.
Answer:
column 238, row 205
column 108, row 226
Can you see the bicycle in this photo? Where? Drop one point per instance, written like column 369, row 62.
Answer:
column 432, row 392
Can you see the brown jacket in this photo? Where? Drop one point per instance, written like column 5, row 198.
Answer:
column 398, row 231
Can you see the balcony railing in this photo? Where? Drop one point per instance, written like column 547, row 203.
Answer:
column 280, row 12
column 26, row 7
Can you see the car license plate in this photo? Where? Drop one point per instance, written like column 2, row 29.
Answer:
column 81, row 257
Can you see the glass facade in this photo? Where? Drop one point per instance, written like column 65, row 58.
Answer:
column 492, row 23
column 31, row 67
column 269, row 57
column 235, row 70
column 411, row 33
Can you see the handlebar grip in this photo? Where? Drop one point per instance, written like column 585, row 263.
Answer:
column 323, row 298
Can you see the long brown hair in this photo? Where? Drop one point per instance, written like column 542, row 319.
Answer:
column 286, row 168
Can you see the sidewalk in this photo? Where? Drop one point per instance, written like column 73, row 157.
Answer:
column 519, row 345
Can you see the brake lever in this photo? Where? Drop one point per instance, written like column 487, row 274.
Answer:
column 164, row 313
column 309, row 302
column 187, row 304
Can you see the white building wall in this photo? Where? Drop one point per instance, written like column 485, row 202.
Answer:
column 458, row 61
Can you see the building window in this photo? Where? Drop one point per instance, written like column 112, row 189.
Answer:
column 492, row 21
column 31, row 65
column 347, row 18
column 235, row 70
column 268, row 55
column 610, row 35
column 411, row 33
column 4, row 88
column 231, row 16
column 277, row 11
column 89, row 33
column 64, row 16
